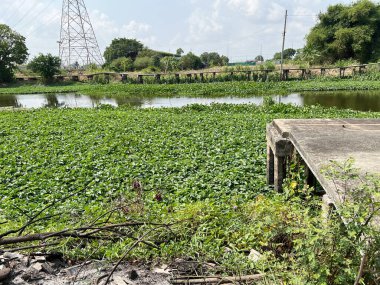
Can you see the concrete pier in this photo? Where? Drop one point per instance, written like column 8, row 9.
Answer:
column 320, row 141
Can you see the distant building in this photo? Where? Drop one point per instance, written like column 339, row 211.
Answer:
column 245, row 63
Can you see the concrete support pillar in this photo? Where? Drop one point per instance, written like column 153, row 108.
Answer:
column 279, row 172
column 270, row 166
column 279, row 149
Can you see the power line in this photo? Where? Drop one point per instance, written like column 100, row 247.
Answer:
column 25, row 15
column 14, row 9
column 35, row 16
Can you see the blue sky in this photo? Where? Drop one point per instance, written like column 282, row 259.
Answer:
column 240, row 29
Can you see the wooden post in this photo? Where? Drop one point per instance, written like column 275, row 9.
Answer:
column 285, row 75
column 341, row 72
column 303, row 72
column 124, row 77
column 361, row 69
column 266, row 72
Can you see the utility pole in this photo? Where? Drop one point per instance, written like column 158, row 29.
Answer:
column 283, row 46
column 78, row 45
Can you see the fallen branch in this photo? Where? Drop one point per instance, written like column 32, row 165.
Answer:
column 218, row 279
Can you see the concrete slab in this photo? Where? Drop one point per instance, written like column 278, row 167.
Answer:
column 321, row 141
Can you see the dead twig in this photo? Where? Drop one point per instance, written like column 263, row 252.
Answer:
column 127, row 252
column 31, row 247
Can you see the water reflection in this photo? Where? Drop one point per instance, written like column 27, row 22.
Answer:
column 357, row 100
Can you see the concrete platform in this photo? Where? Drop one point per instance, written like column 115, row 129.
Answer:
column 321, row 141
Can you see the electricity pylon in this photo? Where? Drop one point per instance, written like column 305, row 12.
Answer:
column 78, row 45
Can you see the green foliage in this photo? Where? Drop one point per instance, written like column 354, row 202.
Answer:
column 122, row 47
column 179, row 52
column 143, row 62
column 45, row 65
column 13, row 51
column 101, row 79
column 259, row 58
column 190, row 61
column 289, row 53
column 213, row 59
column 221, row 86
column 197, row 158
column 169, row 64
column 347, row 31
column 122, row 64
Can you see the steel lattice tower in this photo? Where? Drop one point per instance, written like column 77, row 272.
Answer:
column 78, row 45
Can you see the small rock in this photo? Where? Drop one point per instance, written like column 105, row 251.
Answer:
column 36, row 266
column 39, row 258
column 31, row 274
column 48, row 268
column 11, row 255
column 4, row 273
column 163, row 269
column 254, row 255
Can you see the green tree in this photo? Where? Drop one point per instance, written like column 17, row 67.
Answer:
column 122, row 64
column 123, row 47
column 179, row 52
column 143, row 62
column 213, row 59
column 289, row 53
column 347, row 32
column 13, row 51
column 169, row 63
column 259, row 58
column 45, row 65
column 190, row 61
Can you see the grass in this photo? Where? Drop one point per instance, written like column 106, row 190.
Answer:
column 201, row 164
column 239, row 89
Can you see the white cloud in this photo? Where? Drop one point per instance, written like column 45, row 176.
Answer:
column 248, row 7
column 107, row 29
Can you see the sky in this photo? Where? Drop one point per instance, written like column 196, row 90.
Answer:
column 239, row 29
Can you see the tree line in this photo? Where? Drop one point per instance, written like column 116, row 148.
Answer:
column 131, row 55
column 343, row 32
